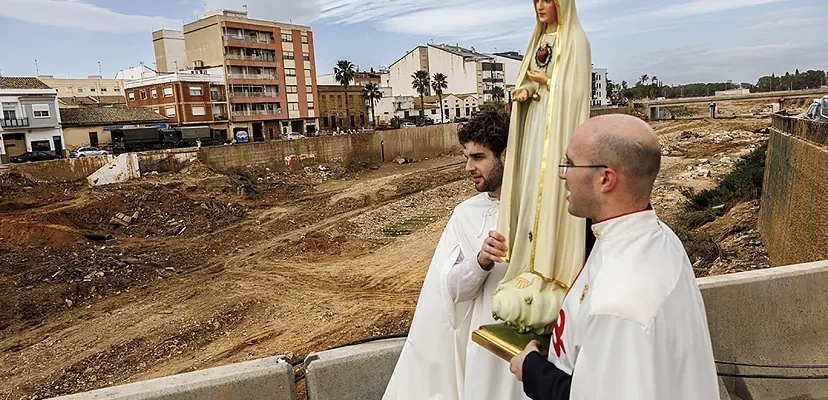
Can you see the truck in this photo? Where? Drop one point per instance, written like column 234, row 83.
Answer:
column 145, row 138
column 818, row 111
column 190, row 135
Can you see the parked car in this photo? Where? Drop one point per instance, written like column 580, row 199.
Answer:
column 405, row 125
column 87, row 152
column 818, row 111
column 35, row 156
column 294, row 136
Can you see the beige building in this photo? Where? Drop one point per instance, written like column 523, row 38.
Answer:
column 170, row 55
column 269, row 68
column 92, row 126
column 93, row 90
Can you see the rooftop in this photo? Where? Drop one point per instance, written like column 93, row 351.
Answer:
column 12, row 82
column 108, row 115
column 468, row 54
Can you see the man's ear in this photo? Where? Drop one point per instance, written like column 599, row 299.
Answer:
column 608, row 180
column 503, row 156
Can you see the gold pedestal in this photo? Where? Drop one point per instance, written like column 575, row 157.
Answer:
column 505, row 342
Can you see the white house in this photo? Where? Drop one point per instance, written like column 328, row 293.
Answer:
column 31, row 118
column 466, row 70
column 599, row 87
column 460, row 106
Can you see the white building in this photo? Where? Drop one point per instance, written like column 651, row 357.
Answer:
column 599, row 87
column 511, row 61
column 139, row 72
column 460, row 106
column 467, row 71
column 31, row 118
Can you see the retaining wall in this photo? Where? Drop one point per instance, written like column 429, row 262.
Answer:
column 793, row 216
column 65, row 170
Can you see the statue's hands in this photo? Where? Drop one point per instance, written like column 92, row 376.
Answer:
column 539, row 76
column 520, row 95
column 493, row 250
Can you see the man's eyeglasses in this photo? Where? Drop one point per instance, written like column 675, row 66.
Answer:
column 566, row 165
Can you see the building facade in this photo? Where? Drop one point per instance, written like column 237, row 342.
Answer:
column 269, row 69
column 185, row 98
column 92, row 126
column 332, row 113
column 30, row 119
column 467, row 71
column 170, row 54
column 93, row 90
column 599, row 87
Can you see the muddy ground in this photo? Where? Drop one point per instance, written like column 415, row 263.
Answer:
column 223, row 268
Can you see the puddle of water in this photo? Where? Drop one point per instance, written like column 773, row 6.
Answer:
column 408, row 226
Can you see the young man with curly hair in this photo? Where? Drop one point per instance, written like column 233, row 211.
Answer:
column 439, row 360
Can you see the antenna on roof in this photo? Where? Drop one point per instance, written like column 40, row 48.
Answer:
column 37, row 69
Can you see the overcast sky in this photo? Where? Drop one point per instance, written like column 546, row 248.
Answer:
column 680, row 41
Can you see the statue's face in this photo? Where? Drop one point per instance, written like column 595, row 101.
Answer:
column 545, row 11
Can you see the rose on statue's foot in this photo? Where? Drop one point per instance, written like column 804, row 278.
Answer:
column 528, row 304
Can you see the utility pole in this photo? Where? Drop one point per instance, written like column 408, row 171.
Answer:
column 37, row 69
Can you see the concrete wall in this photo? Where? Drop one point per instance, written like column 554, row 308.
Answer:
column 123, row 168
column 65, row 170
column 352, row 373
column 421, row 142
column 771, row 316
column 263, row 379
column 793, row 217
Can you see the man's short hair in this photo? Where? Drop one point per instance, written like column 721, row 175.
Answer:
column 490, row 128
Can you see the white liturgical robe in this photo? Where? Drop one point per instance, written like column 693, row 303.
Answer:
column 439, row 360
column 633, row 325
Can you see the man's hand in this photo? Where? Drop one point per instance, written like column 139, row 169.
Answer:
column 539, row 76
column 520, row 95
column 493, row 250
column 516, row 365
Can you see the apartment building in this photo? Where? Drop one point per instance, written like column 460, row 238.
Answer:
column 599, row 87
column 30, row 119
column 332, row 108
column 186, row 98
column 467, row 71
column 93, row 90
column 269, row 70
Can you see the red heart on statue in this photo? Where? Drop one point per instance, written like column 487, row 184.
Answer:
column 542, row 55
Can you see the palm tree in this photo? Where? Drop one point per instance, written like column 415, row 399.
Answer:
column 655, row 80
column 644, row 79
column 438, row 84
column 344, row 73
column 421, row 85
column 497, row 93
column 372, row 94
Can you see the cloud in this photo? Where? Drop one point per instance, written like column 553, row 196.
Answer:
column 81, row 15
column 700, row 7
column 790, row 23
column 297, row 11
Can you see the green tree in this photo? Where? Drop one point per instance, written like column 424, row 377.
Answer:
column 421, row 84
column 439, row 83
column 372, row 94
column 344, row 73
column 497, row 94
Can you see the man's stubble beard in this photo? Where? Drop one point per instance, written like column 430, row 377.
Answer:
column 492, row 182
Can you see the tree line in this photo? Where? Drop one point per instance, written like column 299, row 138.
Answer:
column 652, row 87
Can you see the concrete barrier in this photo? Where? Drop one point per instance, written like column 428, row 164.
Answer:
column 65, row 170
column 352, row 373
column 793, row 216
column 772, row 316
column 263, row 379
column 121, row 169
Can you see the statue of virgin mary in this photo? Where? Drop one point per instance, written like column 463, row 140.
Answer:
column 545, row 243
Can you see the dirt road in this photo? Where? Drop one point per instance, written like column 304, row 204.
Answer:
column 225, row 268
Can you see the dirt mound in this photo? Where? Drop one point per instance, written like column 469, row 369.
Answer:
column 17, row 192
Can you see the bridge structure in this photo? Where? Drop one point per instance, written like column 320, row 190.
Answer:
column 653, row 107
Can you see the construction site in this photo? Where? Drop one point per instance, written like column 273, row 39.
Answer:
column 208, row 267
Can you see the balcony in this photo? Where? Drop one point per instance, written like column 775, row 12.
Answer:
column 247, row 113
column 249, row 39
column 243, row 57
column 252, row 76
column 254, row 94
column 218, row 97
column 14, row 123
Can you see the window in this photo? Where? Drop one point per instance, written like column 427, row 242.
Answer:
column 306, row 56
column 307, row 73
column 143, row 95
column 433, row 112
column 198, row 110
column 40, row 110
column 69, row 89
column 293, row 106
column 290, row 72
column 309, row 89
column 103, row 89
column 154, row 94
column 195, row 91
column 291, row 89
column 168, row 92
column 92, row 89
column 287, row 55
column 116, row 88
column 310, row 105
column 287, row 38
column 157, row 111
column 80, row 90
column 170, row 111
column 131, row 96
column 304, row 38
